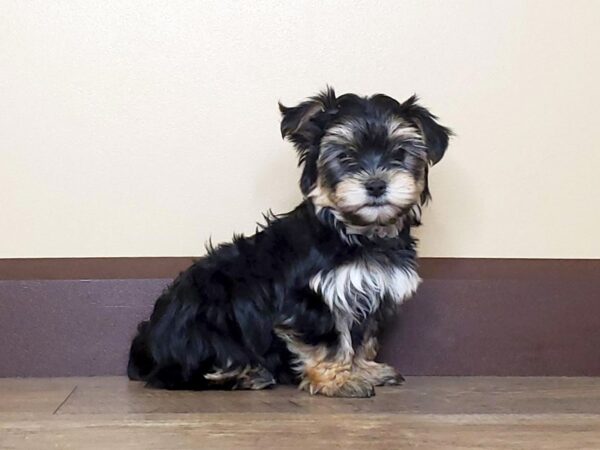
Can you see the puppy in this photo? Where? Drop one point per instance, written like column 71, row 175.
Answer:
column 302, row 300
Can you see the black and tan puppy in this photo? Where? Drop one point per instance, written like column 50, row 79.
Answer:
column 302, row 300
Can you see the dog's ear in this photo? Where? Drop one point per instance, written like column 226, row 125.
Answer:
column 435, row 135
column 304, row 125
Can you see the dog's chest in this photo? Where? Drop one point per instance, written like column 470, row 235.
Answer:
column 358, row 288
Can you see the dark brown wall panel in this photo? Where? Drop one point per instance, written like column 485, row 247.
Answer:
column 66, row 327
column 470, row 316
column 498, row 327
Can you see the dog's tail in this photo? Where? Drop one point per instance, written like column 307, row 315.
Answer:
column 141, row 362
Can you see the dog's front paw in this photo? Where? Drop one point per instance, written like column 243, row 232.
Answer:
column 332, row 380
column 350, row 389
column 355, row 388
column 387, row 376
column 378, row 374
column 391, row 380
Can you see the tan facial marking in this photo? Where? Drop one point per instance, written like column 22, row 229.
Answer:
column 403, row 189
column 400, row 129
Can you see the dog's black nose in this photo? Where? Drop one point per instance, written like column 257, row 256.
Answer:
column 376, row 187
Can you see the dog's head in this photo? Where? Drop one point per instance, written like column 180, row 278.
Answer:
column 366, row 158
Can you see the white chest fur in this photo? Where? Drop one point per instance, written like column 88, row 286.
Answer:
column 357, row 289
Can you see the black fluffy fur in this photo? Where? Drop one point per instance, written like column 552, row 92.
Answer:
column 222, row 312
column 226, row 305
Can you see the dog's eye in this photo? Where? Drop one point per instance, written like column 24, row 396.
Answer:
column 341, row 156
column 399, row 153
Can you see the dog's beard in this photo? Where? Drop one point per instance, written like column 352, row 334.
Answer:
column 352, row 200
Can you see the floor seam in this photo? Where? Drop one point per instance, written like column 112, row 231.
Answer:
column 65, row 400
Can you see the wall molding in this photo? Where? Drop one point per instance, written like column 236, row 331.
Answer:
column 168, row 267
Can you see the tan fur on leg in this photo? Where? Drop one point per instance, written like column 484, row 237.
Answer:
column 375, row 373
column 244, row 378
column 255, row 378
column 325, row 373
column 335, row 379
column 368, row 350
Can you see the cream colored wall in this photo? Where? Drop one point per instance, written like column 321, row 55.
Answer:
column 143, row 128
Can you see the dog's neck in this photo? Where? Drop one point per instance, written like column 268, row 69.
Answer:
column 372, row 231
column 376, row 231
column 350, row 232
column 361, row 235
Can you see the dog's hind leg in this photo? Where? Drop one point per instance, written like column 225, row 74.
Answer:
column 254, row 378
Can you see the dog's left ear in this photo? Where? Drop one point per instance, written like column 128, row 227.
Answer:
column 304, row 125
column 436, row 136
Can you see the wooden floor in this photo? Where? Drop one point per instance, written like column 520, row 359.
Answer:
column 429, row 413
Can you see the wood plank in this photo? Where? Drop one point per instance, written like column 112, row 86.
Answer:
column 293, row 431
column 32, row 395
column 422, row 395
column 428, row 412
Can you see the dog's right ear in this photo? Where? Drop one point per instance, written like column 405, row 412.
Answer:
column 304, row 124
